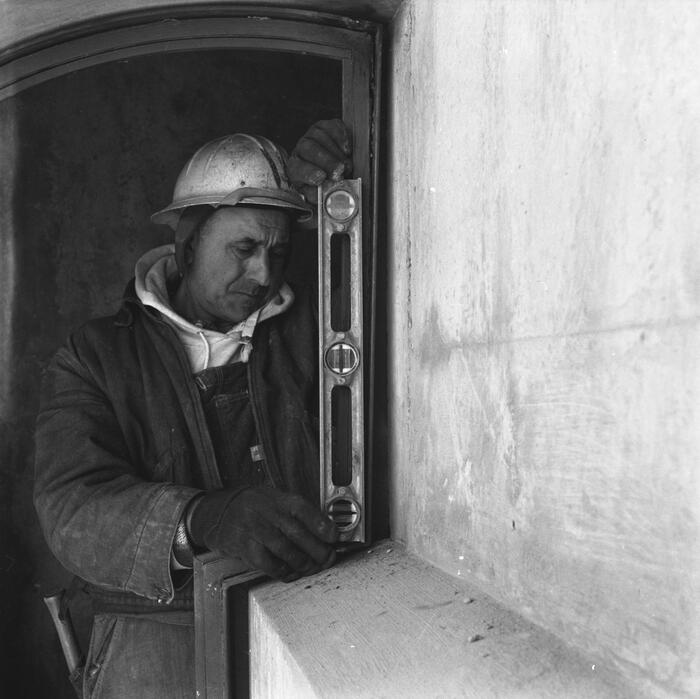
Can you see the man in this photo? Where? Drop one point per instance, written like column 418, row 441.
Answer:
column 184, row 423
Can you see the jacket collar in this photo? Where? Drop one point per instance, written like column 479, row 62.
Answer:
column 130, row 302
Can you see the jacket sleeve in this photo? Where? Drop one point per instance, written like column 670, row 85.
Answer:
column 102, row 520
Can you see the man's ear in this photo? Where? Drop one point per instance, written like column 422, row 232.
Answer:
column 192, row 219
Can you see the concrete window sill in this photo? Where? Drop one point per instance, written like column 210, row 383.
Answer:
column 384, row 623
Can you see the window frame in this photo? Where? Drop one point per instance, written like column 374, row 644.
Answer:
column 357, row 44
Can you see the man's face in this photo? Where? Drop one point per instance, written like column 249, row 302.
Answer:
column 238, row 266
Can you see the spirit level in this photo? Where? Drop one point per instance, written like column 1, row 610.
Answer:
column 341, row 410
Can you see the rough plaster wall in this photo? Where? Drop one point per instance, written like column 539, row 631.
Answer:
column 545, row 298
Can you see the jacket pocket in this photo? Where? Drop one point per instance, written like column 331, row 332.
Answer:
column 105, row 631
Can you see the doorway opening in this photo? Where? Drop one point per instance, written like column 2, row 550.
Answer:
column 98, row 126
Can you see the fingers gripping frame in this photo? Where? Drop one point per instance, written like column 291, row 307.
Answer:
column 341, row 365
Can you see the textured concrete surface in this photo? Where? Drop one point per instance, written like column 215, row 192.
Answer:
column 545, row 291
column 386, row 624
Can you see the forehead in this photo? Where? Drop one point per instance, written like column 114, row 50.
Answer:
column 237, row 223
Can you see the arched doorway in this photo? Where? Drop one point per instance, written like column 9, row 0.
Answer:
column 96, row 120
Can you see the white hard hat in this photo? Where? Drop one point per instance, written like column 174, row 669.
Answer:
column 234, row 170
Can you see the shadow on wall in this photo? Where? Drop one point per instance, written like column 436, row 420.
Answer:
column 90, row 156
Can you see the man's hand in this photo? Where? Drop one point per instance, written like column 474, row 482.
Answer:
column 280, row 534
column 323, row 152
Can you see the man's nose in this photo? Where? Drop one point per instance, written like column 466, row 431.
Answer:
column 259, row 267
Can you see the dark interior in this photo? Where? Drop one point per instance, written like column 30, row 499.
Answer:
column 99, row 151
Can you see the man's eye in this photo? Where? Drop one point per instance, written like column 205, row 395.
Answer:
column 243, row 250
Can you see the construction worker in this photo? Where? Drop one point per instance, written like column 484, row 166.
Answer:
column 185, row 422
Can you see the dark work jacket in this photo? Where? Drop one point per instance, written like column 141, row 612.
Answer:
column 122, row 444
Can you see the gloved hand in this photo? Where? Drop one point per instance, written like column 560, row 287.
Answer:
column 275, row 532
column 324, row 151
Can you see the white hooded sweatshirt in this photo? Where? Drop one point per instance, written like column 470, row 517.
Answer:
column 204, row 348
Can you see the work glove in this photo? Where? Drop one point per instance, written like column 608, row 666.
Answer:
column 323, row 152
column 275, row 532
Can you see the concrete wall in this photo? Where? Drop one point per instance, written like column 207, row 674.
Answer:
column 545, row 303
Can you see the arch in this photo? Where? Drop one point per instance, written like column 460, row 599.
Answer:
column 102, row 42
column 70, row 46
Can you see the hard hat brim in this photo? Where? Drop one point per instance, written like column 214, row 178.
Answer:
column 251, row 196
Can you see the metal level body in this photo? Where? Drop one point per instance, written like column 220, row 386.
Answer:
column 341, row 358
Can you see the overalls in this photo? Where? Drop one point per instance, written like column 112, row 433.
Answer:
column 226, row 403
column 142, row 638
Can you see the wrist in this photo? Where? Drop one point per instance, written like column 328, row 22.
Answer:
column 182, row 549
column 204, row 514
column 187, row 514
